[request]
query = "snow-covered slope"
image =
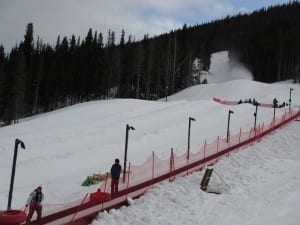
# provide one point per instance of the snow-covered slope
(64, 146)
(259, 185)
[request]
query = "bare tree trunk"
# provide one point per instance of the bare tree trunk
(149, 69)
(189, 75)
(139, 71)
(167, 77)
(39, 76)
(174, 64)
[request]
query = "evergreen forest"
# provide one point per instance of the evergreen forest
(36, 77)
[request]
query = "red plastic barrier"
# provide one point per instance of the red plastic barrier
(12, 217)
(100, 196)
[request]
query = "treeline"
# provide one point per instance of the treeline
(36, 77)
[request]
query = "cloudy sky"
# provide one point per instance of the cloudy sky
(51, 18)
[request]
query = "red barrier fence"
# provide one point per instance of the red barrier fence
(227, 102)
(140, 178)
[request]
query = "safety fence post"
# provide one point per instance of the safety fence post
(259, 131)
(229, 143)
(285, 114)
(218, 144)
(128, 174)
(270, 125)
(77, 210)
(171, 164)
(240, 135)
(105, 183)
(204, 149)
(229, 139)
(152, 164)
(250, 133)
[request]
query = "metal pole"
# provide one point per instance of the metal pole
(11, 187)
(125, 155)
(126, 146)
(229, 112)
(189, 135)
(274, 114)
(290, 99)
(255, 115)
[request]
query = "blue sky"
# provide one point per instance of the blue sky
(51, 18)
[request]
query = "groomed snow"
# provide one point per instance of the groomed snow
(259, 185)
(65, 146)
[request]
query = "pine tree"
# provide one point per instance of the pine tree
(28, 45)
(3, 82)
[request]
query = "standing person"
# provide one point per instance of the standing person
(275, 103)
(35, 204)
(115, 176)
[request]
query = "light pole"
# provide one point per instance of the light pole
(255, 115)
(229, 112)
(290, 99)
(11, 187)
(126, 145)
(274, 113)
(189, 135)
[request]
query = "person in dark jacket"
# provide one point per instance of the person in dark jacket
(275, 103)
(35, 204)
(115, 172)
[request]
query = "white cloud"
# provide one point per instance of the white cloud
(137, 17)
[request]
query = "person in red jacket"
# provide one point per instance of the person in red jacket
(115, 172)
(35, 204)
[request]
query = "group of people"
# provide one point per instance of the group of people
(253, 101)
(276, 105)
(36, 197)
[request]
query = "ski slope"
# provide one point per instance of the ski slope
(259, 185)
(65, 146)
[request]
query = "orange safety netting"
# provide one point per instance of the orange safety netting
(154, 167)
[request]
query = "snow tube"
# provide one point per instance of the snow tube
(99, 196)
(12, 217)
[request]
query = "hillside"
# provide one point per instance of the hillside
(66, 145)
